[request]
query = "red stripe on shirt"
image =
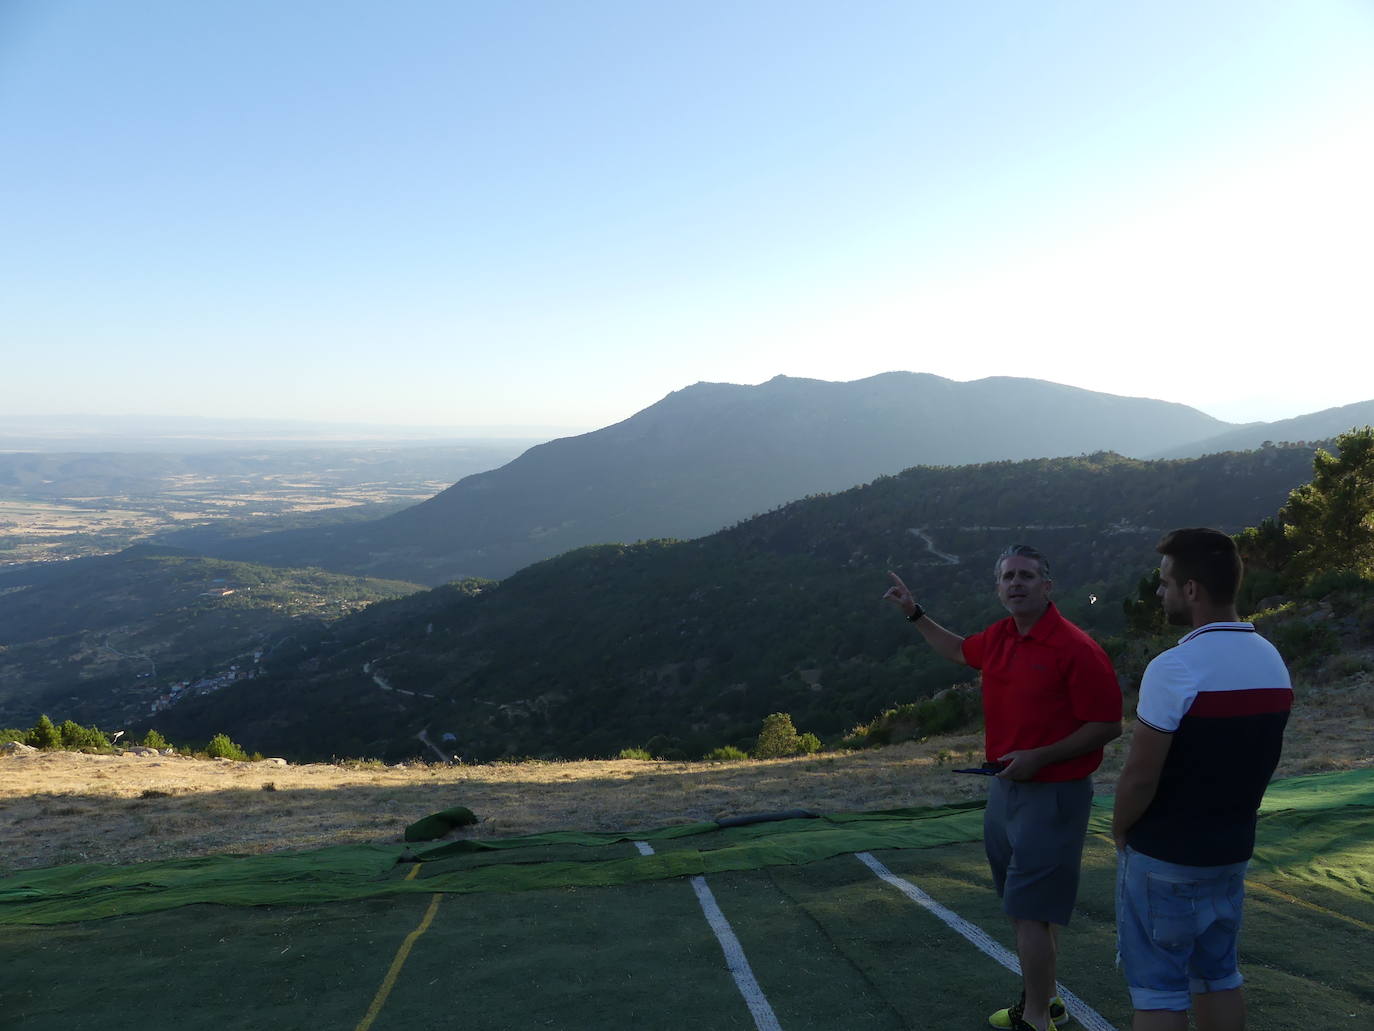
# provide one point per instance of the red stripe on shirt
(1211, 704)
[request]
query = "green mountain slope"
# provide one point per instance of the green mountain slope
(693, 642)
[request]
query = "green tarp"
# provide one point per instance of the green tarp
(1312, 827)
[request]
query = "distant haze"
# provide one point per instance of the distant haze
(188, 433)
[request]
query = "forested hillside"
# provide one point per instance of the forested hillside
(101, 639)
(689, 644)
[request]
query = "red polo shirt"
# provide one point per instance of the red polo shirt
(1040, 688)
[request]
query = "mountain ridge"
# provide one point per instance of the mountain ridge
(1322, 425)
(711, 454)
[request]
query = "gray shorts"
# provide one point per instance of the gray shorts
(1033, 834)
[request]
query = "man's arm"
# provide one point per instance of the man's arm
(946, 643)
(1139, 780)
(1026, 763)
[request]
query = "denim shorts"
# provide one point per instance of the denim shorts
(1176, 929)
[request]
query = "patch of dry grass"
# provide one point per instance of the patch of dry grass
(62, 807)
(59, 807)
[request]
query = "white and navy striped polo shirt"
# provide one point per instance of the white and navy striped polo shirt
(1224, 694)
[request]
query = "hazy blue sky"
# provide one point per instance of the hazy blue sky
(555, 213)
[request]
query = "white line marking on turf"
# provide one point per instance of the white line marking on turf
(735, 960)
(764, 1018)
(1088, 1018)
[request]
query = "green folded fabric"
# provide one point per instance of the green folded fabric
(440, 823)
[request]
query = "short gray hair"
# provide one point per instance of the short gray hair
(1021, 551)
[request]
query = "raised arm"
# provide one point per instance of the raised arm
(946, 643)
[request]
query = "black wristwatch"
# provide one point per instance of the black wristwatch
(916, 613)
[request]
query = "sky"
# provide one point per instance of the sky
(552, 213)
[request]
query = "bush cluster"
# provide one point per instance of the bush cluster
(954, 709)
(726, 753)
(779, 738)
(220, 747)
(71, 736)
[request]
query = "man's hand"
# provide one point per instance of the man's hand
(899, 595)
(946, 644)
(1023, 764)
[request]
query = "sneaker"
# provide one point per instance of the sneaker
(1008, 1018)
(1023, 1025)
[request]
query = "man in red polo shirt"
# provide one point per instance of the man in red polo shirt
(1051, 701)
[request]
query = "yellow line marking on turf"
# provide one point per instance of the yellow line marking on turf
(1251, 883)
(389, 981)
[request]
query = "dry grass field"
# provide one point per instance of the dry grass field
(59, 808)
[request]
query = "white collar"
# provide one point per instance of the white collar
(1208, 627)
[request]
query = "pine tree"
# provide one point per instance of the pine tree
(1330, 521)
(777, 737)
(221, 747)
(44, 734)
(153, 739)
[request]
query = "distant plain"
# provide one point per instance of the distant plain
(56, 507)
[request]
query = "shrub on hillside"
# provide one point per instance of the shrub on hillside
(76, 738)
(1348, 666)
(727, 752)
(1303, 644)
(954, 709)
(220, 747)
(778, 737)
(9, 734)
(1342, 582)
(636, 753)
(153, 739)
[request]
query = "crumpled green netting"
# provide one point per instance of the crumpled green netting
(1300, 812)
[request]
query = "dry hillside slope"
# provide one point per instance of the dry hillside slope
(58, 808)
